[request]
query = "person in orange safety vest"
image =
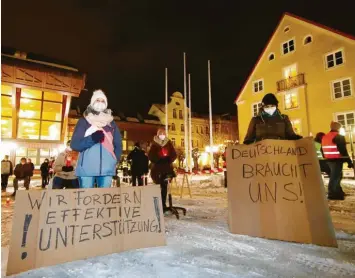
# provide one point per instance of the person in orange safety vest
(334, 150)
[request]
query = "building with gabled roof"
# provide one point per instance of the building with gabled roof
(311, 70)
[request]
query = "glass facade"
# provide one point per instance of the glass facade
(6, 111)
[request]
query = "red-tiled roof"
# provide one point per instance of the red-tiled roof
(299, 18)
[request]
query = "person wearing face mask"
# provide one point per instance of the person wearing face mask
(98, 140)
(64, 168)
(270, 123)
(162, 154)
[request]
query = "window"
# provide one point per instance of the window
(6, 111)
(346, 119)
(182, 142)
(258, 86)
(286, 29)
(296, 124)
(180, 114)
(173, 141)
(207, 130)
(255, 108)
(307, 40)
(271, 56)
(201, 130)
(40, 115)
(28, 153)
(288, 46)
(334, 59)
(341, 88)
(174, 113)
(182, 128)
(291, 100)
(173, 127)
(197, 130)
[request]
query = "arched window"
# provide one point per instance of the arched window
(271, 56)
(307, 40)
(173, 127)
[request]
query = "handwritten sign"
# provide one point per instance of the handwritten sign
(56, 226)
(275, 190)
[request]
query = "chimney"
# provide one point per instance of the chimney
(20, 54)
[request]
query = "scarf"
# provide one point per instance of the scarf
(98, 119)
(161, 143)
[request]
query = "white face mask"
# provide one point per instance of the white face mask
(162, 137)
(99, 106)
(270, 110)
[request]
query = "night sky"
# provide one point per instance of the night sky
(124, 46)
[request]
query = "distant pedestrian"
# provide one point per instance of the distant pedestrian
(51, 167)
(32, 167)
(139, 164)
(98, 139)
(162, 155)
(22, 171)
(334, 150)
(6, 171)
(45, 172)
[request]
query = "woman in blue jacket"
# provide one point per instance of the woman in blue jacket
(98, 140)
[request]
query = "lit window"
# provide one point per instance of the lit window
(291, 100)
(28, 129)
(30, 109)
(296, 124)
(334, 59)
(288, 46)
(271, 56)
(6, 127)
(53, 97)
(346, 119)
(6, 90)
(174, 113)
(50, 130)
(258, 86)
(27, 153)
(342, 88)
(28, 93)
(6, 106)
(307, 40)
(180, 114)
(182, 128)
(52, 111)
(255, 108)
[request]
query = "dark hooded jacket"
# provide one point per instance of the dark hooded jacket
(161, 154)
(264, 126)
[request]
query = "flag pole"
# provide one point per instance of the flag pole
(210, 112)
(190, 130)
(185, 116)
(166, 102)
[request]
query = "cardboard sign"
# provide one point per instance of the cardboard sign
(55, 226)
(275, 190)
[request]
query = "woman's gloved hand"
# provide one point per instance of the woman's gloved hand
(98, 136)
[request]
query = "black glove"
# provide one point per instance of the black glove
(165, 159)
(98, 136)
(67, 168)
(350, 165)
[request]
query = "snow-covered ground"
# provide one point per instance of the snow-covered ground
(200, 245)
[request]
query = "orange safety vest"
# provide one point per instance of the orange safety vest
(330, 150)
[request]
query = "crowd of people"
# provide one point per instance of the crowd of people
(91, 157)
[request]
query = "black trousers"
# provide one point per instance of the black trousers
(45, 180)
(4, 181)
(164, 189)
(336, 175)
(136, 177)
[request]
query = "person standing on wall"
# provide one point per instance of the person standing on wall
(64, 170)
(139, 164)
(334, 150)
(45, 167)
(270, 123)
(162, 154)
(98, 140)
(22, 172)
(6, 171)
(32, 167)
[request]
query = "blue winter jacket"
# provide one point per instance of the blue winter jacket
(94, 160)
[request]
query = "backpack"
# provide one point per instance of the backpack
(5, 167)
